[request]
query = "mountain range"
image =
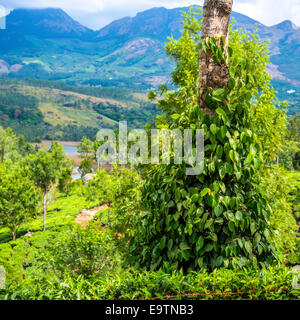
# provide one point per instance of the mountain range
(129, 52)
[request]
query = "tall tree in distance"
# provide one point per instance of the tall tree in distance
(213, 73)
(44, 171)
(86, 148)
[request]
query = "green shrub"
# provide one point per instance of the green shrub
(270, 284)
(77, 251)
(126, 203)
(85, 167)
(65, 184)
(280, 186)
(100, 189)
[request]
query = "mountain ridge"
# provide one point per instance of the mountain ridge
(49, 44)
(44, 22)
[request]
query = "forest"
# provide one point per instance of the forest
(150, 231)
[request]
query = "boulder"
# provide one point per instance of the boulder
(88, 177)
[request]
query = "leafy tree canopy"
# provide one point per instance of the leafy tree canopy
(19, 197)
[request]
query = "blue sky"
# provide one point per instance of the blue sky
(97, 13)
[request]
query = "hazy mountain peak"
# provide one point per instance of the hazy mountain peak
(162, 22)
(45, 22)
(286, 25)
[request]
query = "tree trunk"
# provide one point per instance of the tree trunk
(14, 234)
(45, 209)
(216, 18)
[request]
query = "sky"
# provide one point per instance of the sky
(98, 13)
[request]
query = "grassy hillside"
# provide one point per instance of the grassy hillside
(47, 110)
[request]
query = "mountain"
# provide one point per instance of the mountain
(161, 23)
(44, 23)
(129, 52)
(286, 26)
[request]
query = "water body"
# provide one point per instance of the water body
(76, 175)
(70, 150)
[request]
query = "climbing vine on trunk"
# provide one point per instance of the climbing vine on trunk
(219, 218)
(213, 61)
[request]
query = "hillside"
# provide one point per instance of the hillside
(49, 110)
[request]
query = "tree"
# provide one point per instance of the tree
(13, 147)
(220, 218)
(59, 156)
(8, 143)
(19, 197)
(65, 181)
(85, 167)
(44, 171)
(86, 148)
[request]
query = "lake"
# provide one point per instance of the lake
(70, 150)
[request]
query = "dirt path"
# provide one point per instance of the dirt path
(87, 215)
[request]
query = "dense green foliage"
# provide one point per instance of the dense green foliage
(45, 168)
(220, 218)
(290, 154)
(85, 148)
(19, 198)
(65, 181)
(67, 262)
(13, 147)
(85, 167)
(78, 251)
(21, 258)
(271, 284)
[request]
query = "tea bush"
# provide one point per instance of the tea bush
(77, 251)
(269, 284)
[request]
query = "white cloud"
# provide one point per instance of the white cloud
(270, 12)
(97, 13)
